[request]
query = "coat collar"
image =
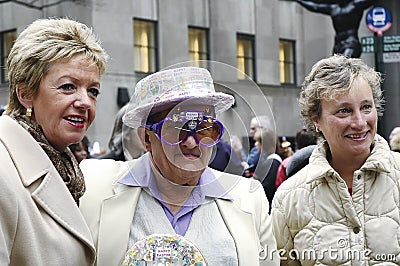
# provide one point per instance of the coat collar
(29, 161)
(39, 176)
(144, 174)
(379, 160)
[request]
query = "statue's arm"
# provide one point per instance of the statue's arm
(316, 7)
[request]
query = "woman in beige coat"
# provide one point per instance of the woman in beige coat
(342, 208)
(54, 73)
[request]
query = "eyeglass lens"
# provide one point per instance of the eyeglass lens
(207, 132)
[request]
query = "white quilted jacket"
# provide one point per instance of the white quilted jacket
(317, 222)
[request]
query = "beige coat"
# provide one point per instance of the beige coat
(320, 222)
(109, 208)
(40, 223)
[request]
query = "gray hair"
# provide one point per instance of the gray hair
(334, 76)
(44, 42)
(263, 121)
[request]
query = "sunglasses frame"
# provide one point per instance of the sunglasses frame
(157, 128)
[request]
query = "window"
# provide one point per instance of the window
(245, 56)
(6, 41)
(145, 50)
(287, 62)
(198, 46)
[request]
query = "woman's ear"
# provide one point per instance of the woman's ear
(317, 127)
(23, 96)
(315, 121)
(144, 138)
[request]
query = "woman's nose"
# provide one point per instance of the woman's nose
(190, 142)
(83, 100)
(358, 120)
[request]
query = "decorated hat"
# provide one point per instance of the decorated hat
(164, 89)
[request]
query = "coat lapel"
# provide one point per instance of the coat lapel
(115, 223)
(40, 177)
(53, 196)
(239, 223)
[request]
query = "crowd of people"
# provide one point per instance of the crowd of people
(171, 190)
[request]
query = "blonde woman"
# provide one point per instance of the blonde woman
(54, 72)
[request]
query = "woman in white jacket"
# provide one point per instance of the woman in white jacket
(342, 208)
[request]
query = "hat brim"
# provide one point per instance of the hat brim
(136, 116)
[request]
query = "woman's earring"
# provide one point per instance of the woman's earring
(316, 129)
(29, 111)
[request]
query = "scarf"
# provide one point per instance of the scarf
(65, 162)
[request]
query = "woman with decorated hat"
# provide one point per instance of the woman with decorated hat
(168, 206)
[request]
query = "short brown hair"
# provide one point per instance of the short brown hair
(331, 77)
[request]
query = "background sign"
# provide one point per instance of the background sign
(379, 19)
(391, 44)
(391, 57)
(368, 44)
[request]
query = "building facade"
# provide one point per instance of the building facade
(257, 50)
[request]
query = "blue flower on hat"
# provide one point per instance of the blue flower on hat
(155, 89)
(181, 86)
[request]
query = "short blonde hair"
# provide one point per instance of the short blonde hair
(267, 140)
(44, 42)
(331, 77)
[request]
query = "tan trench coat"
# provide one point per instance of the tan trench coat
(40, 223)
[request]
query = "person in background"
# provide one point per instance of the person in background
(395, 131)
(2, 109)
(303, 138)
(268, 163)
(254, 153)
(346, 198)
(286, 148)
(237, 146)
(124, 142)
(299, 159)
(395, 143)
(54, 70)
(81, 149)
(226, 160)
(257, 123)
(170, 192)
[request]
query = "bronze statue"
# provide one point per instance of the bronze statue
(346, 16)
